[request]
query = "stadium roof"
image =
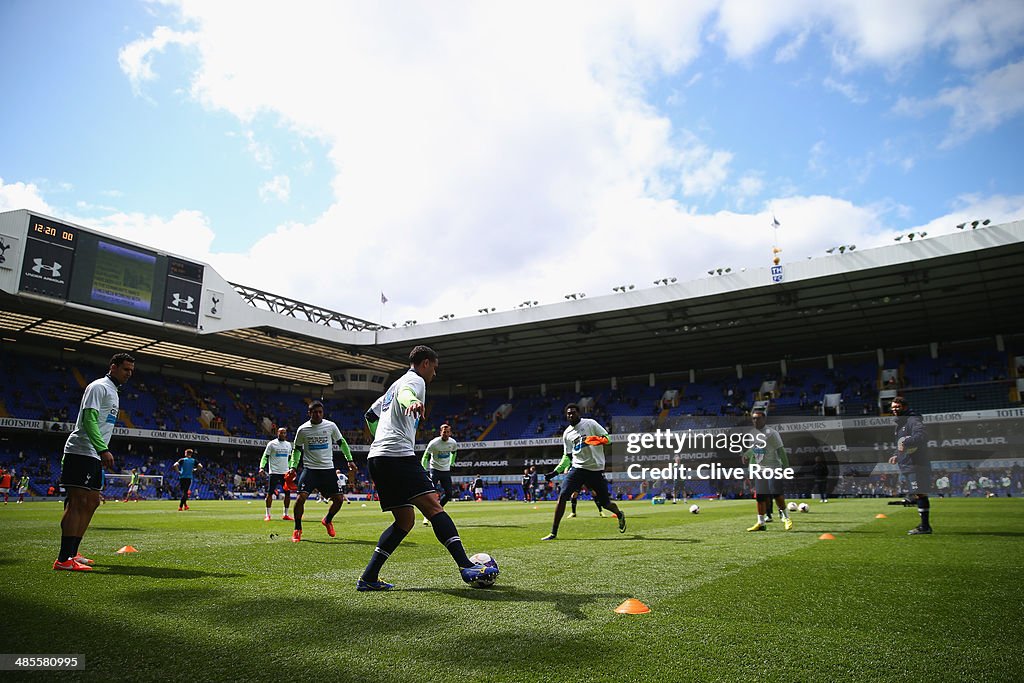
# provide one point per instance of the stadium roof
(958, 286)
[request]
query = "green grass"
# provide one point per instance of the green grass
(213, 596)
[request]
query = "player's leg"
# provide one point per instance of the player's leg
(81, 504)
(572, 503)
(268, 500)
(305, 488)
(573, 482)
(598, 486)
(762, 504)
(447, 488)
(919, 493)
(82, 479)
(287, 505)
(184, 485)
(780, 502)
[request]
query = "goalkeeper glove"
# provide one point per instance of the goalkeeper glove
(596, 440)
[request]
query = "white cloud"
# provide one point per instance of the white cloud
(876, 32)
(279, 188)
(22, 196)
(515, 141)
(705, 171)
(136, 58)
(984, 104)
(846, 89)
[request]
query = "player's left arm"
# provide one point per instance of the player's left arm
(372, 418)
(915, 439)
(296, 457)
(600, 436)
(345, 450)
(408, 399)
(454, 453)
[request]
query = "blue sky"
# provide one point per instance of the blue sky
(460, 155)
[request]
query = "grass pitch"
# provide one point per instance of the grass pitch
(216, 593)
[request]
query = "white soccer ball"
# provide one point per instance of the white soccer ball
(488, 561)
(804, 507)
(694, 509)
(791, 507)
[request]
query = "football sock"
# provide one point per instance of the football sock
(760, 519)
(67, 544)
(386, 545)
(573, 501)
(76, 541)
(923, 508)
(444, 529)
(783, 513)
(298, 523)
(329, 517)
(599, 508)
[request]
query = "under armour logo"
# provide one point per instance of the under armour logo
(178, 302)
(39, 267)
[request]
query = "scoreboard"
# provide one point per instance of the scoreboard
(71, 264)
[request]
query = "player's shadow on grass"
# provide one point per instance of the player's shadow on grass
(569, 604)
(114, 528)
(1011, 534)
(491, 526)
(164, 572)
(350, 541)
(641, 537)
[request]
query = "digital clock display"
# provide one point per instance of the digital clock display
(54, 233)
(49, 257)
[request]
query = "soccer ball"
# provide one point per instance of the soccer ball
(804, 507)
(695, 509)
(486, 560)
(791, 507)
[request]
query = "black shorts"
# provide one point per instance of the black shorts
(399, 480)
(276, 482)
(324, 481)
(81, 472)
(592, 479)
(442, 481)
(184, 485)
(768, 487)
(916, 478)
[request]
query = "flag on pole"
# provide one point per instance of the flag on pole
(775, 221)
(383, 299)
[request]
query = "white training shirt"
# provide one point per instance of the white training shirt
(584, 457)
(396, 431)
(100, 396)
(440, 452)
(277, 453)
(767, 456)
(317, 444)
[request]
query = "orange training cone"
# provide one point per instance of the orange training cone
(826, 537)
(127, 549)
(632, 606)
(880, 516)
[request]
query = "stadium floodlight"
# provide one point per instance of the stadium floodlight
(623, 288)
(446, 316)
(527, 304)
(665, 281)
(486, 310)
(575, 295)
(409, 323)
